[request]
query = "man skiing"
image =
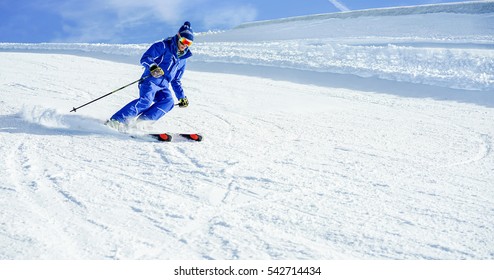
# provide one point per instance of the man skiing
(164, 64)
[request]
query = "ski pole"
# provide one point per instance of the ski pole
(141, 79)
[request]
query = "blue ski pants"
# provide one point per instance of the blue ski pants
(153, 102)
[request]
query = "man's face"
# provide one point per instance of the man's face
(183, 43)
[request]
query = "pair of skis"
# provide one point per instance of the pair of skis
(168, 137)
(162, 137)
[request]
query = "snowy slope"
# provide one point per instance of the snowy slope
(367, 145)
(446, 45)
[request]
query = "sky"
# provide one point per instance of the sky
(133, 21)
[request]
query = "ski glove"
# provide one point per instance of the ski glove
(183, 102)
(156, 71)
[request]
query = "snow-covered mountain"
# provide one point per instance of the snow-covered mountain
(356, 135)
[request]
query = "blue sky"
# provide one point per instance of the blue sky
(144, 21)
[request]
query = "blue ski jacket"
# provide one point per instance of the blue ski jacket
(165, 54)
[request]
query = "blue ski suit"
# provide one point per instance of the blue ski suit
(155, 98)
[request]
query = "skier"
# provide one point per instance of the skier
(164, 64)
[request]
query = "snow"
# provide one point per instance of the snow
(372, 140)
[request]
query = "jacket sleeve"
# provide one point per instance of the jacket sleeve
(155, 51)
(177, 83)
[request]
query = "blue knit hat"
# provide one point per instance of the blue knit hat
(186, 32)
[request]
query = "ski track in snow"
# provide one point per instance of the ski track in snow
(286, 170)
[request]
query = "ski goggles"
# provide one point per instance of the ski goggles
(184, 41)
